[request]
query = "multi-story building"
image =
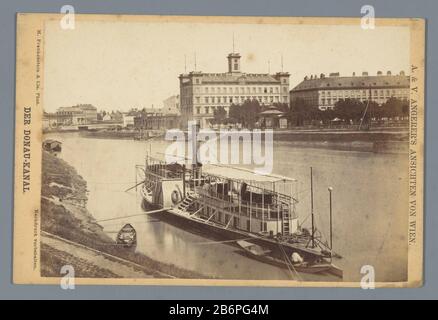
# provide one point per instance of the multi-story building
(201, 93)
(76, 115)
(324, 92)
(68, 116)
(89, 112)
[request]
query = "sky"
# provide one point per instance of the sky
(123, 65)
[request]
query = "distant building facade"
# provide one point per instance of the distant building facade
(76, 115)
(158, 121)
(116, 116)
(69, 116)
(171, 105)
(324, 92)
(50, 120)
(201, 93)
(90, 113)
(110, 117)
(128, 118)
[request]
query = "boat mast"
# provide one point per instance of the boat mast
(194, 136)
(311, 207)
(365, 112)
(330, 189)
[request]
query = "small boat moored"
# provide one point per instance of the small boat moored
(127, 236)
(295, 262)
(52, 146)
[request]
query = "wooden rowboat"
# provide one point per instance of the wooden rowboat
(127, 236)
(263, 255)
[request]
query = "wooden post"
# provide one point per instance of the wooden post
(135, 172)
(184, 179)
(263, 209)
(330, 189)
(311, 207)
(239, 200)
(278, 213)
(273, 190)
(250, 210)
(194, 133)
(230, 197)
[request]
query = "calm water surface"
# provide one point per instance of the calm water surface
(369, 217)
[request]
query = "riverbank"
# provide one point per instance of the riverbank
(109, 134)
(378, 141)
(74, 233)
(382, 140)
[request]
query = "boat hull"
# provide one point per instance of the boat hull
(219, 232)
(305, 268)
(127, 237)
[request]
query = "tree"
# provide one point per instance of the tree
(219, 114)
(235, 113)
(349, 110)
(395, 107)
(374, 110)
(251, 110)
(301, 112)
(283, 107)
(326, 116)
(246, 114)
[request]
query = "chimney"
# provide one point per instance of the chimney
(365, 73)
(388, 73)
(306, 78)
(334, 74)
(402, 73)
(311, 77)
(379, 73)
(354, 74)
(322, 76)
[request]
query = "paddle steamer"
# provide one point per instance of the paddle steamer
(260, 212)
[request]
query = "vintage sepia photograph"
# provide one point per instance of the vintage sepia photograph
(184, 150)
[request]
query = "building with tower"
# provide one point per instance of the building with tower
(201, 93)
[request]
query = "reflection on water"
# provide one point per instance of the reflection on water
(369, 217)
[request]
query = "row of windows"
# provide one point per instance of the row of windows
(374, 95)
(363, 92)
(236, 99)
(198, 81)
(240, 89)
(241, 99)
(68, 113)
(356, 84)
(330, 101)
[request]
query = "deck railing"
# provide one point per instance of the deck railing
(233, 204)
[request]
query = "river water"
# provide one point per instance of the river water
(369, 216)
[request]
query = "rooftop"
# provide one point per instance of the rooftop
(240, 77)
(272, 110)
(234, 75)
(335, 81)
